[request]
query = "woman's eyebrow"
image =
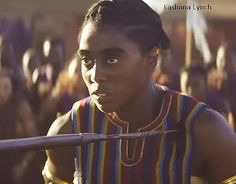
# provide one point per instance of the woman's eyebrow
(113, 50)
(103, 51)
(82, 52)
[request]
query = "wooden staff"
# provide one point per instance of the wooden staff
(188, 50)
(64, 140)
(188, 41)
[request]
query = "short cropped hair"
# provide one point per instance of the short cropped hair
(140, 22)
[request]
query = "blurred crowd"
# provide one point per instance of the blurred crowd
(213, 83)
(38, 84)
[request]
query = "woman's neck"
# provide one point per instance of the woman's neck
(144, 108)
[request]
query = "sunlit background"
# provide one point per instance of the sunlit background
(63, 18)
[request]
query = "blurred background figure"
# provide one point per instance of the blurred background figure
(42, 63)
(41, 89)
(31, 60)
(52, 100)
(167, 72)
(7, 54)
(77, 89)
(226, 68)
(193, 81)
(54, 54)
(16, 121)
(8, 57)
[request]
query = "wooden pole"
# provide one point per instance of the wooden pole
(65, 140)
(188, 49)
(188, 41)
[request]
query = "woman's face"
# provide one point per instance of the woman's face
(113, 67)
(5, 89)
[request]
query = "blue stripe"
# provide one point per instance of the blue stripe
(188, 156)
(89, 129)
(74, 131)
(101, 130)
(162, 164)
(85, 147)
(117, 158)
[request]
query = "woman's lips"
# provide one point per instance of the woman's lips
(102, 97)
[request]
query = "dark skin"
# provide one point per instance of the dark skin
(114, 71)
(113, 83)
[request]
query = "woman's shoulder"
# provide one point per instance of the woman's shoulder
(215, 145)
(63, 124)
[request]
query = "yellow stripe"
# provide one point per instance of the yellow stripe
(172, 163)
(188, 125)
(103, 154)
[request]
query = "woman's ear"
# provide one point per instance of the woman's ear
(152, 58)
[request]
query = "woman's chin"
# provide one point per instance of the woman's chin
(106, 108)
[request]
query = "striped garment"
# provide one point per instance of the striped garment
(161, 159)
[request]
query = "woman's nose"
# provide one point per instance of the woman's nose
(98, 73)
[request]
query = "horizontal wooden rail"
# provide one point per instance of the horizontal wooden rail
(64, 140)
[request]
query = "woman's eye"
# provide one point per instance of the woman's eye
(86, 61)
(112, 61)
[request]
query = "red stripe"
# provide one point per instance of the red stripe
(125, 175)
(174, 108)
(160, 117)
(108, 157)
(81, 113)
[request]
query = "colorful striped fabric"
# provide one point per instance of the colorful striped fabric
(160, 160)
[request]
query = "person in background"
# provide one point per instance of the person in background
(118, 46)
(30, 61)
(7, 53)
(16, 121)
(54, 54)
(226, 67)
(8, 57)
(43, 84)
(77, 87)
(167, 72)
(193, 81)
(56, 100)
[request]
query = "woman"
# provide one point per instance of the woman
(118, 46)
